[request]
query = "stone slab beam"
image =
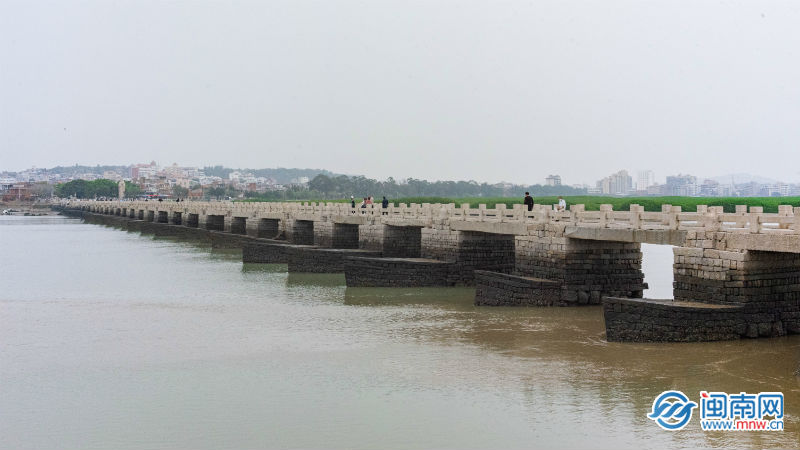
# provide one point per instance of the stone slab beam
(661, 237)
(783, 243)
(489, 227)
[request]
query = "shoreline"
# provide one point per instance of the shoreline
(32, 210)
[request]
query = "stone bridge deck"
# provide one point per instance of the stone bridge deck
(748, 258)
(499, 220)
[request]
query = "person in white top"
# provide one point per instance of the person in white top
(562, 204)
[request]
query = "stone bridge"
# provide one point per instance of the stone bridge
(735, 274)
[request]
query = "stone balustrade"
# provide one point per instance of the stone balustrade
(706, 218)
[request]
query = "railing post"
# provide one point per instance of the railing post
(741, 211)
(605, 213)
(755, 218)
(674, 219)
(574, 211)
(519, 211)
(784, 211)
(665, 214)
(545, 214)
(636, 217)
(501, 211)
(711, 222)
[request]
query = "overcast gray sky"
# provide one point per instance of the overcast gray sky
(485, 90)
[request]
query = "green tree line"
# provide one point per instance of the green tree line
(95, 188)
(360, 186)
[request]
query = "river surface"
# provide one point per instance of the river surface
(114, 340)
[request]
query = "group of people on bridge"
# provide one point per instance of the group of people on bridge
(528, 201)
(368, 201)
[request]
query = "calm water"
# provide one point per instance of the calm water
(111, 339)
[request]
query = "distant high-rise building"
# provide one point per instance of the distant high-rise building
(146, 172)
(553, 180)
(684, 185)
(111, 175)
(645, 179)
(143, 170)
(619, 183)
(709, 188)
(778, 190)
(656, 189)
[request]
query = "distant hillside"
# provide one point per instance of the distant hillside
(741, 178)
(280, 174)
(78, 169)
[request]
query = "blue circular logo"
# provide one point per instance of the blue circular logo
(672, 410)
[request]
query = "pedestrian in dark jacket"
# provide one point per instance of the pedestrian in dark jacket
(384, 205)
(528, 201)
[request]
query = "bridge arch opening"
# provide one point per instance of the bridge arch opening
(192, 220)
(239, 225)
(478, 250)
(163, 217)
(657, 267)
(402, 242)
(268, 228)
(345, 235)
(302, 232)
(150, 216)
(177, 218)
(215, 222)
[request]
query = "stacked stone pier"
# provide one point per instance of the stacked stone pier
(719, 293)
(585, 269)
(736, 274)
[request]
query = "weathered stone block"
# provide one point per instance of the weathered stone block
(397, 272)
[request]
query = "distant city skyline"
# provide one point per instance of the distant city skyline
(658, 175)
(635, 173)
(155, 177)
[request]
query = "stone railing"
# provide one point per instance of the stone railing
(706, 218)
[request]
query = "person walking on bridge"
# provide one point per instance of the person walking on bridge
(528, 201)
(384, 205)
